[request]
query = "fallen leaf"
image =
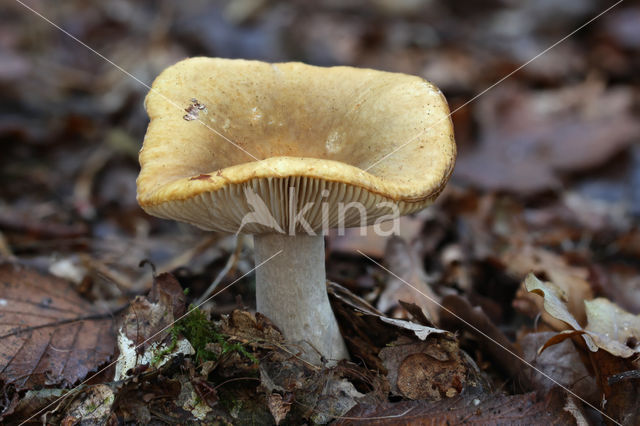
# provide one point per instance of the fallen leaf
(486, 409)
(404, 262)
(432, 370)
(93, 405)
(366, 330)
(555, 306)
(529, 138)
(244, 326)
(562, 362)
(190, 401)
(570, 281)
(145, 325)
(49, 335)
(278, 407)
(420, 331)
(458, 314)
(612, 328)
(337, 397)
(322, 393)
(621, 396)
(29, 404)
(370, 242)
(137, 399)
(609, 327)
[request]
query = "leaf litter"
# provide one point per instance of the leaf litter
(49, 335)
(546, 182)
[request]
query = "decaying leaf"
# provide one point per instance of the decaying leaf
(612, 328)
(144, 328)
(29, 404)
(49, 335)
(404, 262)
(190, 401)
(486, 409)
(278, 407)
(608, 326)
(528, 138)
(337, 397)
(321, 393)
(251, 329)
(458, 314)
(562, 362)
(370, 242)
(432, 370)
(366, 330)
(555, 306)
(571, 281)
(93, 405)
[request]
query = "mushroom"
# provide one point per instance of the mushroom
(285, 152)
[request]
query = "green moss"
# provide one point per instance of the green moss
(159, 356)
(199, 331)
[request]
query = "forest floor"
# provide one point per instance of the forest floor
(515, 299)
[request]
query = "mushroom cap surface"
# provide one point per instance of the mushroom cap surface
(228, 139)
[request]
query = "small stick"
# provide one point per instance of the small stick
(231, 262)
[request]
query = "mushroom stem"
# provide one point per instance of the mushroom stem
(291, 291)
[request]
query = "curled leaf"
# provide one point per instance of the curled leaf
(609, 327)
(555, 305)
(612, 328)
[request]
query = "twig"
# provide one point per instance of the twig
(179, 260)
(113, 276)
(231, 262)
(5, 249)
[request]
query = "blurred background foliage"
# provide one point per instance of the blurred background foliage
(553, 145)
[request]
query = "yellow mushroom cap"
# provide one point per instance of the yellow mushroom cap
(229, 138)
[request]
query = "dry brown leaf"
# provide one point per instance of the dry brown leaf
(475, 321)
(433, 369)
(146, 316)
(562, 362)
(529, 138)
(554, 305)
(608, 326)
(322, 393)
(49, 335)
(570, 281)
(145, 324)
(622, 285)
(621, 396)
(278, 407)
(92, 406)
(363, 332)
(404, 262)
(612, 328)
(488, 409)
(370, 242)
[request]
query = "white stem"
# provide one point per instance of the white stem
(291, 291)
